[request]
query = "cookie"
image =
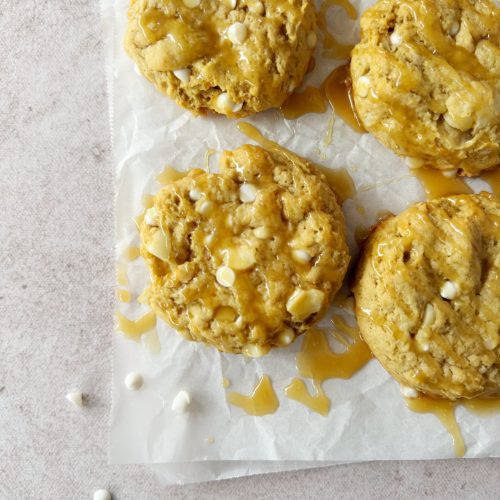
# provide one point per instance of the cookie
(248, 258)
(426, 81)
(427, 295)
(234, 57)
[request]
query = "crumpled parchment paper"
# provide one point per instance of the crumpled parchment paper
(368, 418)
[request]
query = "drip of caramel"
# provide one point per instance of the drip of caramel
(338, 90)
(318, 402)
(134, 329)
(492, 177)
(169, 174)
(436, 184)
(482, 407)
(310, 100)
(262, 401)
(444, 410)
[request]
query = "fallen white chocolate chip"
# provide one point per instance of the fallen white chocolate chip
(191, 4)
(75, 397)
(101, 495)
(248, 192)
(194, 195)
(225, 276)
(255, 350)
(183, 74)
(429, 315)
(301, 256)
(237, 33)
(151, 216)
(240, 258)
(408, 392)
(181, 402)
(262, 232)
(312, 39)
(449, 290)
(134, 381)
(158, 245)
(303, 303)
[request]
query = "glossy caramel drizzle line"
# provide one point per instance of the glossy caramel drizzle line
(262, 401)
(436, 184)
(310, 100)
(134, 329)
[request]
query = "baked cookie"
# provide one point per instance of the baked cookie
(426, 81)
(428, 296)
(235, 57)
(248, 258)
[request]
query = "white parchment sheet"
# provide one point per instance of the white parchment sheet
(368, 418)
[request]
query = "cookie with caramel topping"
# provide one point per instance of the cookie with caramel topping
(428, 296)
(234, 57)
(248, 258)
(426, 81)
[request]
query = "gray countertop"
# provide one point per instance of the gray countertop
(57, 289)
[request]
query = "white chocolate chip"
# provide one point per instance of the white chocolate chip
(395, 38)
(248, 192)
(101, 495)
(286, 337)
(257, 8)
(363, 86)
(151, 216)
(225, 276)
(134, 381)
(75, 397)
(301, 256)
(491, 343)
(303, 303)
(408, 392)
(225, 104)
(158, 245)
(414, 162)
(255, 350)
(183, 74)
(449, 290)
(181, 402)
(454, 28)
(191, 4)
(204, 207)
(231, 3)
(240, 258)
(194, 195)
(429, 315)
(425, 347)
(209, 238)
(312, 40)
(237, 33)
(239, 322)
(262, 232)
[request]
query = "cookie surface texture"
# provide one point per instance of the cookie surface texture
(426, 81)
(427, 295)
(234, 57)
(248, 258)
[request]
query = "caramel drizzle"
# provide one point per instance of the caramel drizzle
(262, 401)
(317, 362)
(310, 100)
(436, 184)
(134, 329)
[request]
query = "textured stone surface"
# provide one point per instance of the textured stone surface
(56, 289)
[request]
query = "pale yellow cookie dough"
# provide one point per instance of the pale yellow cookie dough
(428, 296)
(234, 57)
(426, 81)
(248, 258)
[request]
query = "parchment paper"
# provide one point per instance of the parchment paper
(368, 420)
